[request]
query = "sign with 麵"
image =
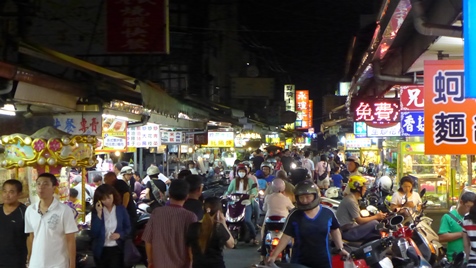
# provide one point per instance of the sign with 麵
(79, 123)
(413, 123)
(221, 139)
(376, 110)
(144, 136)
(137, 26)
(302, 109)
(168, 137)
(290, 99)
(393, 131)
(450, 118)
(412, 98)
(360, 129)
(114, 134)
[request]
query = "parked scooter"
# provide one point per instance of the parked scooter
(235, 215)
(275, 226)
(143, 216)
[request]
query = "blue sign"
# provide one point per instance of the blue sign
(360, 129)
(469, 36)
(413, 123)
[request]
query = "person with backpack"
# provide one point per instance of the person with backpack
(451, 226)
(323, 172)
(13, 250)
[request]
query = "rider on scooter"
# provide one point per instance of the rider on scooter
(242, 184)
(310, 226)
(353, 164)
(267, 168)
(275, 204)
(353, 226)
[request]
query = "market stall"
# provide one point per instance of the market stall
(47, 150)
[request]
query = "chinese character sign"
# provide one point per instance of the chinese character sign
(79, 123)
(360, 129)
(137, 26)
(290, 99)
(169, 137)
(411, 97)
(376, 110)
(221, 139)
(302, 109)
(450, 119)
(393, 131)
(413, 123)
(114, 133)
(311, 111)
(144, 136)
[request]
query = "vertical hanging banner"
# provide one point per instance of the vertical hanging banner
(290, 99)
(302, 109)
(310, 115)
(450, 121)
(137, 26)
(469, 37)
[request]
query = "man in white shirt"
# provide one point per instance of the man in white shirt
(51, 228)
(323, 167)
(308, 164)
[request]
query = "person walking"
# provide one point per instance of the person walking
(109, 227)
(207, 238)
(164, 235)
(13, 250)
(51, 228)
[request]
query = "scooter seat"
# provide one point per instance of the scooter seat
(354, 244)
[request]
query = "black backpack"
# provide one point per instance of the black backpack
(323, 176)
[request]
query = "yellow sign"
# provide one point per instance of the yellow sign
(220, 139)
(114, 133)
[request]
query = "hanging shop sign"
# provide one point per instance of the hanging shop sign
(450, 118)
(393, 131)
(114, 134)
(310, 113)
(413, 123)
(302, 109)
(220, 139)
(376, 110)
(200, 139)
(170, 137)
(358, 143)
(360, 129)
(412, 97)
(79, 123)
(290, 99)
(144, 136)
(137, 26)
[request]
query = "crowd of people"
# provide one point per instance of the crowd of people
(186, 231)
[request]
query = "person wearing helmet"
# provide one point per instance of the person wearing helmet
(243, 184)
(310, 225)
(354, 227)
(405, 196)
(275, 204)
(267, 168)
(353, 164)
(156, 188)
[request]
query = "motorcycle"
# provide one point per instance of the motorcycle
(143, 216)
(235, 205)
(84, 254)
(275, 226)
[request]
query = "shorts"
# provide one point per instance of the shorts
(324, 183)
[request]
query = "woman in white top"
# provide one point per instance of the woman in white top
(405, 196)
(109, 227)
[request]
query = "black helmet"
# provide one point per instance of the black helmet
(306, 187)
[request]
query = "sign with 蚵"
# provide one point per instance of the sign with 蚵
(450, 126)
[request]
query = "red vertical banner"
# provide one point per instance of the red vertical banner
(137, 26)
(302, 109)
(311, 110)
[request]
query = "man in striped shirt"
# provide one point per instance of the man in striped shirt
(165, 232)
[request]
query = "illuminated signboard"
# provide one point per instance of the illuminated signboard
(360, 129)
(221, 139)
(394, 131)
(311, 110)
(290, 99)
(376, 110)
(412, 98)
(302, 109)
(358, 143)
(413, 123)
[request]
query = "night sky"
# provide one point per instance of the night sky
(310, 39)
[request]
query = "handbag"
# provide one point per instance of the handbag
(131, 253)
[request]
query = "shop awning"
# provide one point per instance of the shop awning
(154, 97)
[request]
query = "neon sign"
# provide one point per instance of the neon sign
(377, 110)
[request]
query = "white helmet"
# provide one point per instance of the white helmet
(354, 159)
(127, 170)
(386, 183)
(278, 185)
(332, 192)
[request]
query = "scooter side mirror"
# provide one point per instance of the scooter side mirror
(396, 220)
(422, 192)
(364, 213)
(372, 209)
